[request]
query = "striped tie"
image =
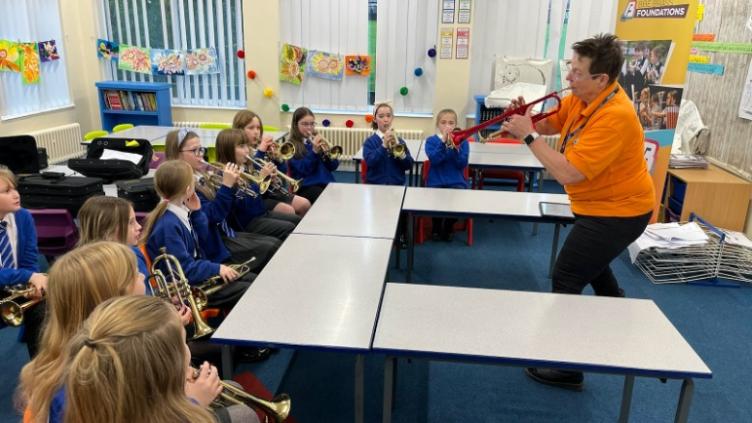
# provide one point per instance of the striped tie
(227, 229)
(6, 252)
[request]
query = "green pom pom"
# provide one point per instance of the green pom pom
(403, 90)
(285, 107)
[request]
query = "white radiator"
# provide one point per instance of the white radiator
(62, 142)
(351, 139)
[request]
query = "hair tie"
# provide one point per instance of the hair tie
(89, 343)
(182, 133)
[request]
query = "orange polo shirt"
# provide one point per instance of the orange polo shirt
(609, 151)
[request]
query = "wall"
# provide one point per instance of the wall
(78, 25)
(717, 97)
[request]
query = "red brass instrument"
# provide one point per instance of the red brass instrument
(459, 136)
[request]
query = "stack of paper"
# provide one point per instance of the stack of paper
(687, 161)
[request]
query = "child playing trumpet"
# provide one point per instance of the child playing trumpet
(387, 161)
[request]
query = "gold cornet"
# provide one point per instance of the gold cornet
(396, 149)
(278, 408)
(175, 285)
(282, 151)
(333, 152)
(292, 182)
(12, 308)
(246, 178)
(216, 283)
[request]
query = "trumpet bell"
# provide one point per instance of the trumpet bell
(12, 313)
(335, 152)
(286, 151)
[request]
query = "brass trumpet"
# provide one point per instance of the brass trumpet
(12, 308)
(216, 283)
(278, 408)
(292, 182)
(175, 285)
(246, 178)
(282, 151)
(333, 152)
(396, 149)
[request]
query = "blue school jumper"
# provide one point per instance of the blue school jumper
(383, 168)
(447, 165)
(281, 166)
(313, 168)
(171, 233)
(215, 222)
(26, 251)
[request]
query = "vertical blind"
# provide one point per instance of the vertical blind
(406, 29)
(182, 25)
(33, 21)
(333, 26)
(518, 29)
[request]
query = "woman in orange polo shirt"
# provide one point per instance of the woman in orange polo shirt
(601, 164)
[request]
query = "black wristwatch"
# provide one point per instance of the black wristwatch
(529, 138)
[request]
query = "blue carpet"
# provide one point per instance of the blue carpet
(506, 255)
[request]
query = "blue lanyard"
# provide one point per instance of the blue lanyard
(571, 135)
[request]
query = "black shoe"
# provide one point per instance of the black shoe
(402, 242)
(560, 378)
(253, 354)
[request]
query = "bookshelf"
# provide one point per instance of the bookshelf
(139, 103)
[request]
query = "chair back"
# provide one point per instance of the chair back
(122, 127)
(156, 159)
(56, 232)
(214, 125)
(363, 171)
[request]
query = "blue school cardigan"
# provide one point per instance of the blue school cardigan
(383, 168)
(447, 165)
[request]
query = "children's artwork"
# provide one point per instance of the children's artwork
(200, 61)
(29, 63)
(48, 51)
(357, 65)
(325, 65)
(132, 58)
(292, 60)
(10, 59)
(107, 49)
(167, 62)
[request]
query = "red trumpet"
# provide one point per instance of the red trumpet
(459, 136)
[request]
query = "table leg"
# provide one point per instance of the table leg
(685, 401)
(554, 250)
(410, 245)
(359, 406)
(227, 365)
(357, 171)
(626, 399)
(389, 367)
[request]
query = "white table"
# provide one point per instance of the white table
(413, 146)
(316, 292)
(498, 148)
(630, 337)
(354, 210)
(147, 132)
(515, 205)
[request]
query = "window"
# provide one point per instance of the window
(531, 29)
(333, 26)
(406, 29)
(183, 25)
(33, 21)
(397, 43)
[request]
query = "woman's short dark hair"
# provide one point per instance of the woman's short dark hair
(604, 52)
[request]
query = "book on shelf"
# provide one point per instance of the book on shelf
(113, 100)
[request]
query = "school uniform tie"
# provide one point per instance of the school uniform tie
(6, 251)
(196, 246)
(226, 229)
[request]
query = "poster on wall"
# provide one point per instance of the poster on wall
(447, 12)
(463, 43)
(463, 16)
(745, 105)
(657, 37)
(446, 43)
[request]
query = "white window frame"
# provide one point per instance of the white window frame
(34, 21)
(190, 26)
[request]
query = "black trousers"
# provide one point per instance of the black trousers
(277, 225)
(311, 192)
(245, 245)
(590, 247)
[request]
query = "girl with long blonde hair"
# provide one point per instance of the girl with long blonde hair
(129, 363)
(79, 280)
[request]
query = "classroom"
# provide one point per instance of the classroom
(375, 210)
